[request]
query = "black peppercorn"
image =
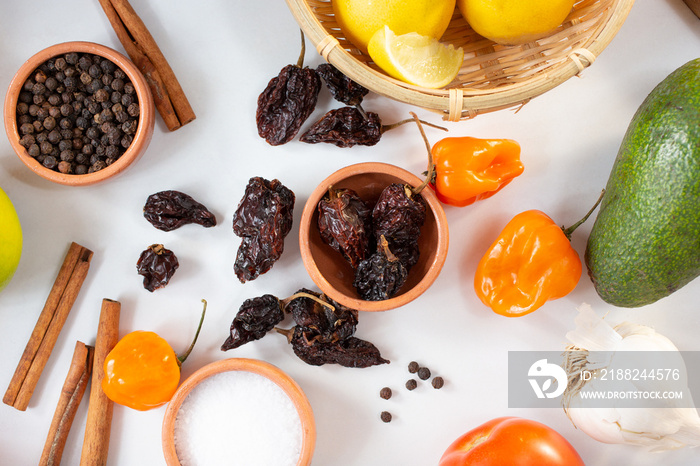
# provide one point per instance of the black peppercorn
(413, 367)
(424, 373)
(411, 384)
(385, 416)
(385, 393)
(26, 128)
(101, 95)
(50, 162)
(438, 383)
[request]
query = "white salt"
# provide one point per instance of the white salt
(238, 418)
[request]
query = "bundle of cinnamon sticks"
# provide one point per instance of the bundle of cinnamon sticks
(168, 96)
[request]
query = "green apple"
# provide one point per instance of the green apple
(10, 240)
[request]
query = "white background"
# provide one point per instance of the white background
(224, 53)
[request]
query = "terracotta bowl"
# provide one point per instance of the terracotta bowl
(286, 383)
(143, 134)
(333, 274)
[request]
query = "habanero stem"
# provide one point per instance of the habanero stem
(181, 359)
(570, 230)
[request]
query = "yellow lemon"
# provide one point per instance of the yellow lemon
(512, 22)
(360, 19)
(10, 240)
(414, 58)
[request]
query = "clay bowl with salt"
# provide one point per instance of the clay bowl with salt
(242, 410)
(22, 93)
(333, 274)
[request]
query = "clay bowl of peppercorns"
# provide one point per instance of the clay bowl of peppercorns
(77, 113)
(405, 236)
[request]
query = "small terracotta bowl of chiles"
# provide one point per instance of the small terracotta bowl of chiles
(371, 238)
(77, 113)
(241, 411)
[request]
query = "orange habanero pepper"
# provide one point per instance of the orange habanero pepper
(142, 371)
(531, 262)
(469, 169)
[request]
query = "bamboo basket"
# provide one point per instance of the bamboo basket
(492, 77)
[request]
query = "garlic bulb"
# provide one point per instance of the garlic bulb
(597, 346)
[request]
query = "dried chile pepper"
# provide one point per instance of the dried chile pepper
(342, 88)
(381, 275)
(399, 215)
(323, 334)
(168, 210)
(254, 319)
(287, 101)
(344, 223)
(345, 127)
(263, 219)
(351, 352)
(316, 312)
(350, 126)
(157, 265)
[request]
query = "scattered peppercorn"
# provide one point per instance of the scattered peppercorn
(411, 384)
(67, 98)
(385, 393)
(386, 416)
(424, 373)
(413, 367)
(438, 383)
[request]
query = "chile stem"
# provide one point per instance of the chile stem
(569, 231)
(431, 165)
(300, 61)
(182, 358)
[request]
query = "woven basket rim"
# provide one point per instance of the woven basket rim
(461, 102)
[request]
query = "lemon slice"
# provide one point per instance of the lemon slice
(414, 58)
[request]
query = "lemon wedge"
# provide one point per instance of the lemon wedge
(415, 58)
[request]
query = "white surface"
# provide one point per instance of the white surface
(224, 53)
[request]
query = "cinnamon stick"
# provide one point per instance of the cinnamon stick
(99, 417)
(61, 298)
(71, 395)
(168, 96)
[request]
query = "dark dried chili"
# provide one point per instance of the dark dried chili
(380, 276)
(342, 88)
(350, 126)
(399, 215)
(287, 101)
(168, 210)
(345, 224)
(263, 219)
(345, 127)
(330, 321)
(157, 265)
(254, 319)
(350, 352)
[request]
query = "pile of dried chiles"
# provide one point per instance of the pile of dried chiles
(262, 219)
(380, 241)
(167, 211)
(323, 331)
(77, 113)
(291, 97)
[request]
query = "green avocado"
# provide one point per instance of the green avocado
(645, 242)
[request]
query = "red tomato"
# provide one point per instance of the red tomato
(511, 441)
